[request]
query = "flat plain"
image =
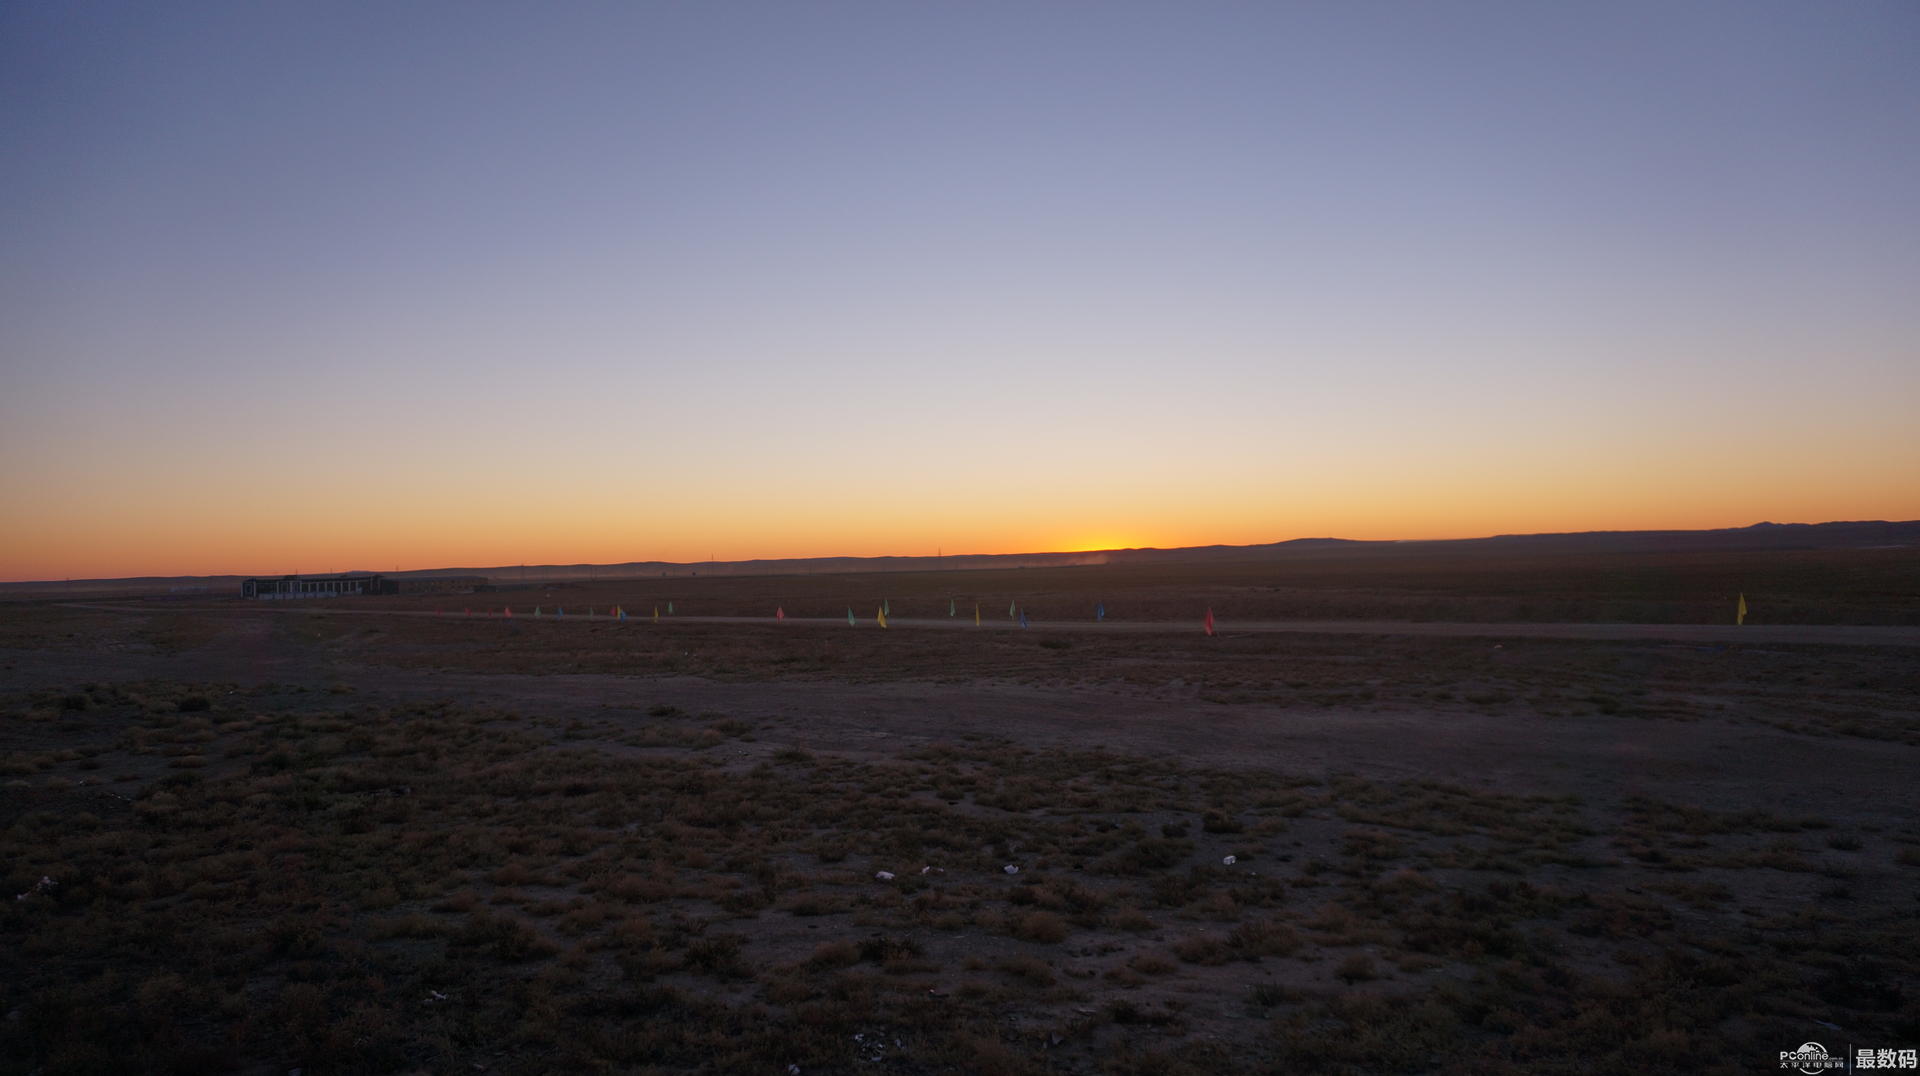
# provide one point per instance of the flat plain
(348, 836)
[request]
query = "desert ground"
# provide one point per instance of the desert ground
(1552, 816)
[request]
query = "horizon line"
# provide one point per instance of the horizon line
(936, 557)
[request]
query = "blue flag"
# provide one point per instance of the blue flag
(1100, 611)
(1023, 618)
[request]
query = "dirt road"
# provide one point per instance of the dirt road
(1704, 634)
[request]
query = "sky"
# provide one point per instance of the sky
(310, 287)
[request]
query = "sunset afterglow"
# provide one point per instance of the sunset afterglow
(324, 288)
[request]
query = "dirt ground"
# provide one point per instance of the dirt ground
(341, 839)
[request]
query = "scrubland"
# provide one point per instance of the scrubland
(251, 840)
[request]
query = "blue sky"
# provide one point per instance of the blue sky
(728, 274)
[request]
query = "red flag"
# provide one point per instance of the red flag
(1208, 623)
(780, 613)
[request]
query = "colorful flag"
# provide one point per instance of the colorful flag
(850, 621)
(883, 615)
(1208, 623)
(1740, 613)
(1100, 611)
(780, 612)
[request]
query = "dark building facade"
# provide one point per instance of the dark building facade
(352, 583)
(317, 586)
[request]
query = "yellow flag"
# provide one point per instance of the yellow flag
(976, 614)
(882, 617)
(656, 614)
(1740, 614)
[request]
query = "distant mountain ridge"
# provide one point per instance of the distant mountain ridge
(1865, 534)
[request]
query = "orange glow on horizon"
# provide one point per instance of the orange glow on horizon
(300, 543)
(410, 502)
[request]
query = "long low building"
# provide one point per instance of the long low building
(348, 584)
(317, 586)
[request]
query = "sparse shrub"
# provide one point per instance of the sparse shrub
(1264, 937)
(505, 937)
(1268, 995)
(1153, 964)
(1218, 906)
(1044, 927)
(835, 954)
(1216, 822)
(880, 948)
(1357, 968)
(718, 954)
(1204, 949)
(1029, 969)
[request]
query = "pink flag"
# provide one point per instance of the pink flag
(780, 613)
(508, 611)
(1208, 623)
